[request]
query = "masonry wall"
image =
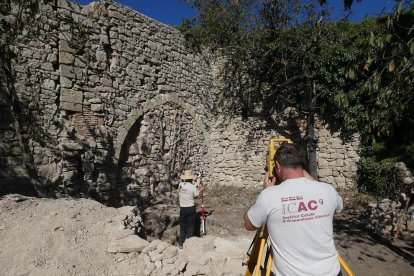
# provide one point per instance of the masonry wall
(239, 149)
(114, 106)
(12, 169)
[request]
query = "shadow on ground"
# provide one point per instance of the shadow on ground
(370, 254)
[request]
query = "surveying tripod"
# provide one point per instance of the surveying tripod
(260, 245)
(200, 176)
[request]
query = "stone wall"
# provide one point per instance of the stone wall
(239, 149)
(95, 82)
(11, 155)
(337, 157)
(114, 106)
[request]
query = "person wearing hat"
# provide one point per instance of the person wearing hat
(187, 192)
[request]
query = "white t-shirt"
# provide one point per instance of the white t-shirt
(186, 193)
(299, 214)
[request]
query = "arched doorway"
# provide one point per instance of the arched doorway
(158, 146)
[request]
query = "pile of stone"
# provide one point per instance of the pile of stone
(384, 218)
(199, 256)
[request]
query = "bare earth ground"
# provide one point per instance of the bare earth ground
(367, 254)
(67, 237)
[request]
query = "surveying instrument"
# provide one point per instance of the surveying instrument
(260, 255)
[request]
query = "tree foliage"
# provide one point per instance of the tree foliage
(386, 98)
(357, 76)
(382, 108)
(279, 54)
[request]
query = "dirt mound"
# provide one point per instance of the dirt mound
(55, 237)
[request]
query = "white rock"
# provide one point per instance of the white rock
(198, 245)
(126, 245)
(170, 252)
(155, 256)
(192, 269)
(151, 246)
(125, 210)
(233, 267)
(232, 249)
(161, 246)
(121, 234)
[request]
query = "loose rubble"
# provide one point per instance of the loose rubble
(84, 237)
(384, 217)
(208, 255)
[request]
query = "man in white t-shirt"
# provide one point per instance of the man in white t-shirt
(187, 192)
(299, 216)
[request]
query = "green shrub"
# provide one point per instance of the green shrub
(378, 178)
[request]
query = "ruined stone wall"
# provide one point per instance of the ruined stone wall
(239, 149)
(97, 80)
(114, 106)
(11, 155)
(337, 157)
(238, 152)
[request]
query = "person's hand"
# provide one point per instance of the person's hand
(267, 182)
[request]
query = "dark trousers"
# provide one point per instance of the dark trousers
(187, 223)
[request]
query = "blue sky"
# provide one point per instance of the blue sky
(172, 12)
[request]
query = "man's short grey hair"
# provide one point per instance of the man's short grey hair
(290, 156)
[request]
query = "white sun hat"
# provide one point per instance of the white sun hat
(188, 174)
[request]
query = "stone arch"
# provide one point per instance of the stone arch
(150, 105)
(144, 167)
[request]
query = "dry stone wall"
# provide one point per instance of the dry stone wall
(239, 149)
(112, 105)
(163, 141)
(91, 79)
(11, 155)
(337, 160)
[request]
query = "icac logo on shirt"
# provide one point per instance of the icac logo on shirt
(296, 204)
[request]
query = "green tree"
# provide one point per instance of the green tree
(382, 108)
(279, 53)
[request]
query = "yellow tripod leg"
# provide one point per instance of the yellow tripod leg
(269, 264)
(345, 266)
(259, 260)
(254, 253)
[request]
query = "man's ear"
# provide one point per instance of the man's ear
(277, 166)
(276, 172)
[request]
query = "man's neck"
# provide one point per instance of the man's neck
(291, 173)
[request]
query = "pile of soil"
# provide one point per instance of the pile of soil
(56, 237)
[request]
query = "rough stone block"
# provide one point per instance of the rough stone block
(71, 106)
(192, 269)
(66, 71)
(127, 245)
(64, 47)
(170, 252)
(47, 66)
(66, 58)
(231, 249)
(197, 245)
(72, 96)
(155, 256)
(97, 107)
(122, 234)
(151, 246)
(49, 84)
(71, 146)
